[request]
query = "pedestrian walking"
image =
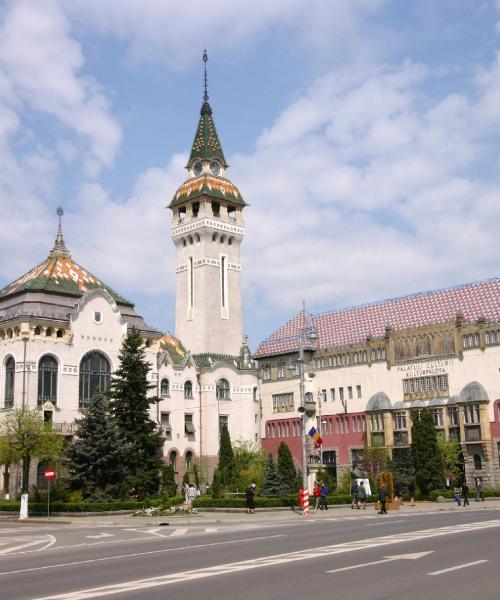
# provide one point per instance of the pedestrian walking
(398, 491)
(317, 495)
(354, 494)
(361, 496)
(458, 496)
(465, 493)
(324, 495)
(411, 492)
(191, 494)
(382, 498)
(250, 494)
(479, 490)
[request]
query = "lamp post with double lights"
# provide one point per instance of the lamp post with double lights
(305, 334)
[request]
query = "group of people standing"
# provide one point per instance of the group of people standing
(320, 493)
(462, 493)
(358, 493)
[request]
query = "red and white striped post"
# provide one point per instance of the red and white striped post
(305, 501)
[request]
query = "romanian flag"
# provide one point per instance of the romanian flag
(316, 438)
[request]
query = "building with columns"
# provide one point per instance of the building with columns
(61, 328)
(374, 366)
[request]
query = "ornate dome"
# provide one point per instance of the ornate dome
(379, 401)
(473, 392)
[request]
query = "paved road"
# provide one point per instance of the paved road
(283, 556)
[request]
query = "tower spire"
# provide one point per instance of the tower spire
(59, 248)
(205, 78)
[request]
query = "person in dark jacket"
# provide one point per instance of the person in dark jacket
(251, 498)
(323, 497)
(465, 494)
(361, 497)
(382, 498)
(354, 494)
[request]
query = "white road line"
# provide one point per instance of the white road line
(246, 565)
(162, 551)
(100, 535)
(464, 566)
(177, 532)
(47, 541)
(413, 556)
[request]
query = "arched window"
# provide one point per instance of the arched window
(223, 390)
(281, 370)
(164, 388)
(59, 333)
(47, 380)
(189, 460)
(478, 463)
(188, 389)
(95, 373)
(38, 330)
(48, 332)
(172, 458)
(10, 369)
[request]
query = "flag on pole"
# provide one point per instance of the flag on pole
(316, 438)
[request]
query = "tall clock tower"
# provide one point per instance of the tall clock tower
(207, 231)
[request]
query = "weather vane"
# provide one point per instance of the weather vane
(60, 212)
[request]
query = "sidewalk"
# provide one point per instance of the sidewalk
(223, 516)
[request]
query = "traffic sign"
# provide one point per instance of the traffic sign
(49, 474)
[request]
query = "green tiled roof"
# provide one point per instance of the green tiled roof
(206, 144)
(60, 274)
(174, 348)
(210, 359)
(210, 185)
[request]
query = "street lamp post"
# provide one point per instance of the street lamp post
(310, 334)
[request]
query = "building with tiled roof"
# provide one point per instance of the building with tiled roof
(62, 327)
(423, 350)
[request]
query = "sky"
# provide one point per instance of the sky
(364, 135)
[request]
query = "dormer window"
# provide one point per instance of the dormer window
(97, 316)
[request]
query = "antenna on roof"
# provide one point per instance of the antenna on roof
(205, 77)
(60, 212)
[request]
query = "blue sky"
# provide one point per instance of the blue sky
(363, 134)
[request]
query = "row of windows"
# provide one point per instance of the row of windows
(48, 332)
(492, 338)
(341, 424)
(166, 426)
(423, 345)
(471, 414)
(282, 402)
(343, 393)
(95, 375)
(195, 209)
(190, 239)
(433, 383)
(471, 340)
(222, 389)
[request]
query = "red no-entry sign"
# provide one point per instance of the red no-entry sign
(49, 474)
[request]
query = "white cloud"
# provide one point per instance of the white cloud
(172, 33)
(42, 67)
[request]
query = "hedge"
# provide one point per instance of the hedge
(488, 493)
(36, 508)
(264, 502)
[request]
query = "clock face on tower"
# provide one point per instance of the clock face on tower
(198, 168)
(214, 167)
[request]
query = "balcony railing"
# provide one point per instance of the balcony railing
(65, 428)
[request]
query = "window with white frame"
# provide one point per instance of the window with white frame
(400, 422)
(377, 421)
(437, 415)
(281, 370)
(282, 402)
(223, 389)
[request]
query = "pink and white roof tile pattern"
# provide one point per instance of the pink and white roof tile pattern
(352, 325)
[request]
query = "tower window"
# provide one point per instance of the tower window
(10, 369)
(231, 213)
(223, 280)
(182, 214)
(196, 209)
(216, 209)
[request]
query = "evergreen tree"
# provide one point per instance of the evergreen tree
(271, 485)
(426, 456)
(95, 458)
(217, 485)
(287, 472)
(130, 406)
(226, 458)
(168, 485)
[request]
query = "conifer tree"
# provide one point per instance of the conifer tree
(271, 485)
(168, 485)
(95, 458)
(287, 472)
(226, 458)
(425, 452)
(130, 407)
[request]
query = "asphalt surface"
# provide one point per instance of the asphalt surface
(414, 553)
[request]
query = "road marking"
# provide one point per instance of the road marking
(27, 542)
(100, 535)
(211, 530)
(177, 532)
(265, 561)
(464, 566)
(413, 556)
(132, 555)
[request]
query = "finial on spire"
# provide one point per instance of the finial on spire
(59, 248)
(205, 78)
